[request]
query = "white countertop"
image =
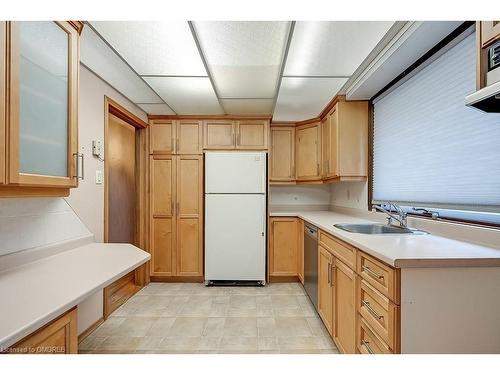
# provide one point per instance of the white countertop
(35, 293)
(402, 250)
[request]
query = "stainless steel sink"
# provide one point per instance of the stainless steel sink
(377, 229)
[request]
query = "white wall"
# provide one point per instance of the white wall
(349, 194)
(88, 199)
(313, 195)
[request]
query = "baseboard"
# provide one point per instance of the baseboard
(89, 330)
(177, 279)
(284, 279)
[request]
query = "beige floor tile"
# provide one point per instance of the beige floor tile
(91, 343)
(119, 343)
(317, 327)
(263, 300)
(266, 327)
(235, 344)
(209, 343)
(185, 344)
(284, 301)
(268, 343)
(160, 327)
(219, 310)
(149, 343)
(297, 343)
(134, 327)
(240, 327)
(289, 312)
(323, 342)
(187, 327)
(108, 327)
(214, 327)
(292, 326)
(242, 302)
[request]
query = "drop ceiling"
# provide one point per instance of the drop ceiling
(290, 70)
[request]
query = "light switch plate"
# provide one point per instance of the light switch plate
(98, 177)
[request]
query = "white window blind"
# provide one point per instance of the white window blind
(429, 149)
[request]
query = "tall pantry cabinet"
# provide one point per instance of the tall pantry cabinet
(176, 199)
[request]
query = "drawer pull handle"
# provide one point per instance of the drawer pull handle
(371, 310)
(373, 273)
(367, 346)
(330, 274)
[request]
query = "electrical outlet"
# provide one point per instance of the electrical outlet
(98, 177)
(97, 148)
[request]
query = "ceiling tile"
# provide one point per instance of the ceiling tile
(156, 109)
(155, 48)
(304, 98)
(187, 95)
(332, 48)
(248, 106)
(244, 58)
(100, 59)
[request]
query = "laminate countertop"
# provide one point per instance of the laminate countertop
(33, 294)
(402, 250)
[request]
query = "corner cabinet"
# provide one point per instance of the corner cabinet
(308, 152)
(282, 155)
(39, 92)
(40, 71)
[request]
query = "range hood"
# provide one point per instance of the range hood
(487, 99)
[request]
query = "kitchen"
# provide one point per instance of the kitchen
(249, 187)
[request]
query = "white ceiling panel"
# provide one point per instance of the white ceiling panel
(156, 109)
(155, 48)
(244, 58)
(187, 95)
(247, 106)
(99, 58)
(304, 98)
(334, 48)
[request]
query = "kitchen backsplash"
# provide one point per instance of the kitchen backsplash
(313, 196)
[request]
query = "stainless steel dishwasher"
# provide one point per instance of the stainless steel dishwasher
(311, 262)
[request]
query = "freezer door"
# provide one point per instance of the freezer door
(235, 172)
(235, 237)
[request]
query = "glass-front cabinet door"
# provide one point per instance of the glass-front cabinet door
(43, 75)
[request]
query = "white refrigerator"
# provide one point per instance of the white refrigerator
(235, 217)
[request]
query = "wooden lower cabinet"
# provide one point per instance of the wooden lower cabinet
(176, 215)
(344, 307)
(119, 292)
(57, 337)
(283, 247)
(325, 288)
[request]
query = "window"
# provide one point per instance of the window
(430, 150)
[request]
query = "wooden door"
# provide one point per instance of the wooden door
(162, 137)
(332, 169)
(252, 134)
(189, 212)
(3, 26)
(189, 139)
(490, 32)
(344, 307)
(283, 249)
(162, 225)
(219, 135)
(121, 215)
(308, 151)
(43, 103)
(282, 154)
(325, 290)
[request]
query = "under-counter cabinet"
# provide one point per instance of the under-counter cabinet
(283, 247)
(325, 288)
(39, 87)
(308, 152)
(176, 215)
(179, 137)
(282, 155)
(235, 135)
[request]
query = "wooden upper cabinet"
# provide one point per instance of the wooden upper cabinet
(252, 134)
(162, 136)
(189, 138)
(282, 154)
(3, 27)
(219, 135)
(490, 32)
(308, 152)
(42, 101)
(283, 246)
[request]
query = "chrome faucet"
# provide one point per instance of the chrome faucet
(401, 218)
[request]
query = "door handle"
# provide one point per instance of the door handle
(77, 166)
(330, 274)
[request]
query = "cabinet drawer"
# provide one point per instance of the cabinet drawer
(382, 277)
(341, 250)
(378, 312)
(118, 292)
(368, 342)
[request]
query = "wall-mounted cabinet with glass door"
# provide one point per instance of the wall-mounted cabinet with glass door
(39, 88)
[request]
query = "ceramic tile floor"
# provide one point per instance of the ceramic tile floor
(191, 318)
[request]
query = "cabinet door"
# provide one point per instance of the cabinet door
(344, 307)
(282, 154)
(308, 146)
(332, 169)
(283, 246)
(325, 146)
(189, 212)
(490, 32)
(162, 225)
(219, 135)
(162, 137)
(43, 78)
(252, 134)
(3, 26)
(189, 137)
(325, 289)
